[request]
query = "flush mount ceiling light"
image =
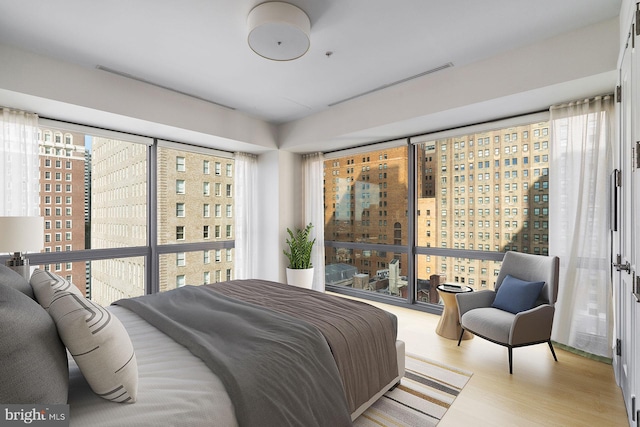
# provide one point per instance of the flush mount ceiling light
(278, 31)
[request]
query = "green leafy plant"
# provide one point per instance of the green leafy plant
(300, 246)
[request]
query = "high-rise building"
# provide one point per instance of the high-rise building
(118, 216)
(366, 202)
(195, 204)
(62, 202)
(492, 194)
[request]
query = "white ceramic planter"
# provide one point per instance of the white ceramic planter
(302, 278)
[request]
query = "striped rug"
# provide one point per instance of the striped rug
(426, 391)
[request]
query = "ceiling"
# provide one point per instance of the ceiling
(199, 47)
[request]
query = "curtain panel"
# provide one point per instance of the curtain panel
(246, 201)
(312, 177)
(19, 168)
(581, 159)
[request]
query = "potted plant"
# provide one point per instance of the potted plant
(300, 270)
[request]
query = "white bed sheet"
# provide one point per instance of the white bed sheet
(174, 387)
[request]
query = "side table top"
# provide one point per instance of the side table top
(454, 288)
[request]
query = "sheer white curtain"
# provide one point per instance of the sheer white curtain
(312, 177)
(245, 184)
(581, 155)
(19, 174)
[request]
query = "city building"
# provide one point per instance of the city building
(195, 204)
(62, 199)
(118, 216)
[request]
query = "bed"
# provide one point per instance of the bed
(332, 359)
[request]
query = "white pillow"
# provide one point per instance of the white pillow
(100, 345)
(46, 285)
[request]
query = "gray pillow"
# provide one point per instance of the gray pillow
(16, 281)
(33, 360)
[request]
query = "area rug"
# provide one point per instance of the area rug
(426, 391)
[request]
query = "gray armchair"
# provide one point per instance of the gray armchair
(527, 327)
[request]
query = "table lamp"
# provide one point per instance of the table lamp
(19, 235)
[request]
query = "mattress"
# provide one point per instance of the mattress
(174, 387)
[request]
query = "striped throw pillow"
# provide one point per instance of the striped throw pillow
(46, 285)
(100, 345)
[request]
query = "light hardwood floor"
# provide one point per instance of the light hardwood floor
(575, 391)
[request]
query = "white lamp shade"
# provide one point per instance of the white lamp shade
(278, 31)
(21, 234)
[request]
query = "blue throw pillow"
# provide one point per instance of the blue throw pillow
(515, 295)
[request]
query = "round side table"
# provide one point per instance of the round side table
(449, 324)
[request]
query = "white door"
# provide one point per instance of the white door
(623, 240)
(633, 287)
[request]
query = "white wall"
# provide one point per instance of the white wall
(280, 201)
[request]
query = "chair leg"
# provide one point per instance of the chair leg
(552, 351)
(460, 339)
(510, 360)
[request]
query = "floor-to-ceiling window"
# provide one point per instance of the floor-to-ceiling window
(195, 215)
(366, 219)
(100, 190)
(474, 194)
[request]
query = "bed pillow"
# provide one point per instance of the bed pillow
(33, 360)
(515, 295)
(46, 285)
(14, 280)
(100, 345)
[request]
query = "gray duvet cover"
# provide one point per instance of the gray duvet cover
(362, 337)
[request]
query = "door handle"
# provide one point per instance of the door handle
(618, 265)
(622, 267)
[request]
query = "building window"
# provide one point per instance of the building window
(206, 277)
(180, 186)
(180, 209)
(180, 232)
(229, 211)
(205, 210)
(218, 213)
(206, 188)
(180, 281)
(218, 168)
(206, 257)
(218, 255)
(180, 164)
(205, 232)
(205, 167)
(180, 259)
